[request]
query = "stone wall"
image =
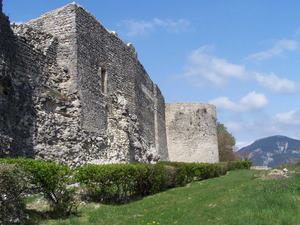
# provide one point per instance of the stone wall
(192, 132)
(88, 93)
(123, 100)
(59, 136)
(28, 74)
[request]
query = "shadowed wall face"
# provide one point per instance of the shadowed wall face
(24, 73)
(192, 133)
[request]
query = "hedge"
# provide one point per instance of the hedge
(122, 182)
(112, 182)
(188, 172)
(49, 178)
(237, 165)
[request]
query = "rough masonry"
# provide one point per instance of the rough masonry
(191, 132)
(72, 91)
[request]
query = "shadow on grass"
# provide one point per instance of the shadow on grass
(35, 216)
(117, 200)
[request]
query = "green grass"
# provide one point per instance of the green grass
(239, 198)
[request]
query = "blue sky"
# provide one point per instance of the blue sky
(242, 56)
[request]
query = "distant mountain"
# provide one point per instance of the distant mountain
(272, 151)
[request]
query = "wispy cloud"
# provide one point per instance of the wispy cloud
(290, 118)
(142, 27)
(251, 101)
(205, 67)
(275, 83)
(277, 49)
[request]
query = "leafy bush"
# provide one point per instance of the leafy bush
(170, 176)
(187, 172)
(51, 179)
(121, 182)
(237, 165)
(12, 186)
(156, 179)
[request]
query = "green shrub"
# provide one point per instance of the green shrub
(237, 165)
(52, 180)
(183, 172)
(156, 178)
(170, 176)
(187, 172)
(121, 182)
(12, 187)
(114, 182)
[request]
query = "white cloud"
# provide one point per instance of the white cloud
(205, 67)
(252, 101)
(233, 126)
(275, 83)
(225, 103)
(288, 118)
(278, 48)
(141, 27)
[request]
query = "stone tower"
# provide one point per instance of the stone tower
(192, 132)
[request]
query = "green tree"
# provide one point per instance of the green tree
(226, 143)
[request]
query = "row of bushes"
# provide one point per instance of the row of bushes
(106, 183)
(122, 182)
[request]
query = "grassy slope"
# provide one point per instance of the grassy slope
(238, 198)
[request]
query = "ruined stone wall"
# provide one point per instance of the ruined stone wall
(126, 105)
(106, 104)
(28, 71)
(192, 132)
(85, 137)
(59, 133)
(88, 99)
(61, 24)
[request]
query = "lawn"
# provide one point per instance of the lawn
(239, 198)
